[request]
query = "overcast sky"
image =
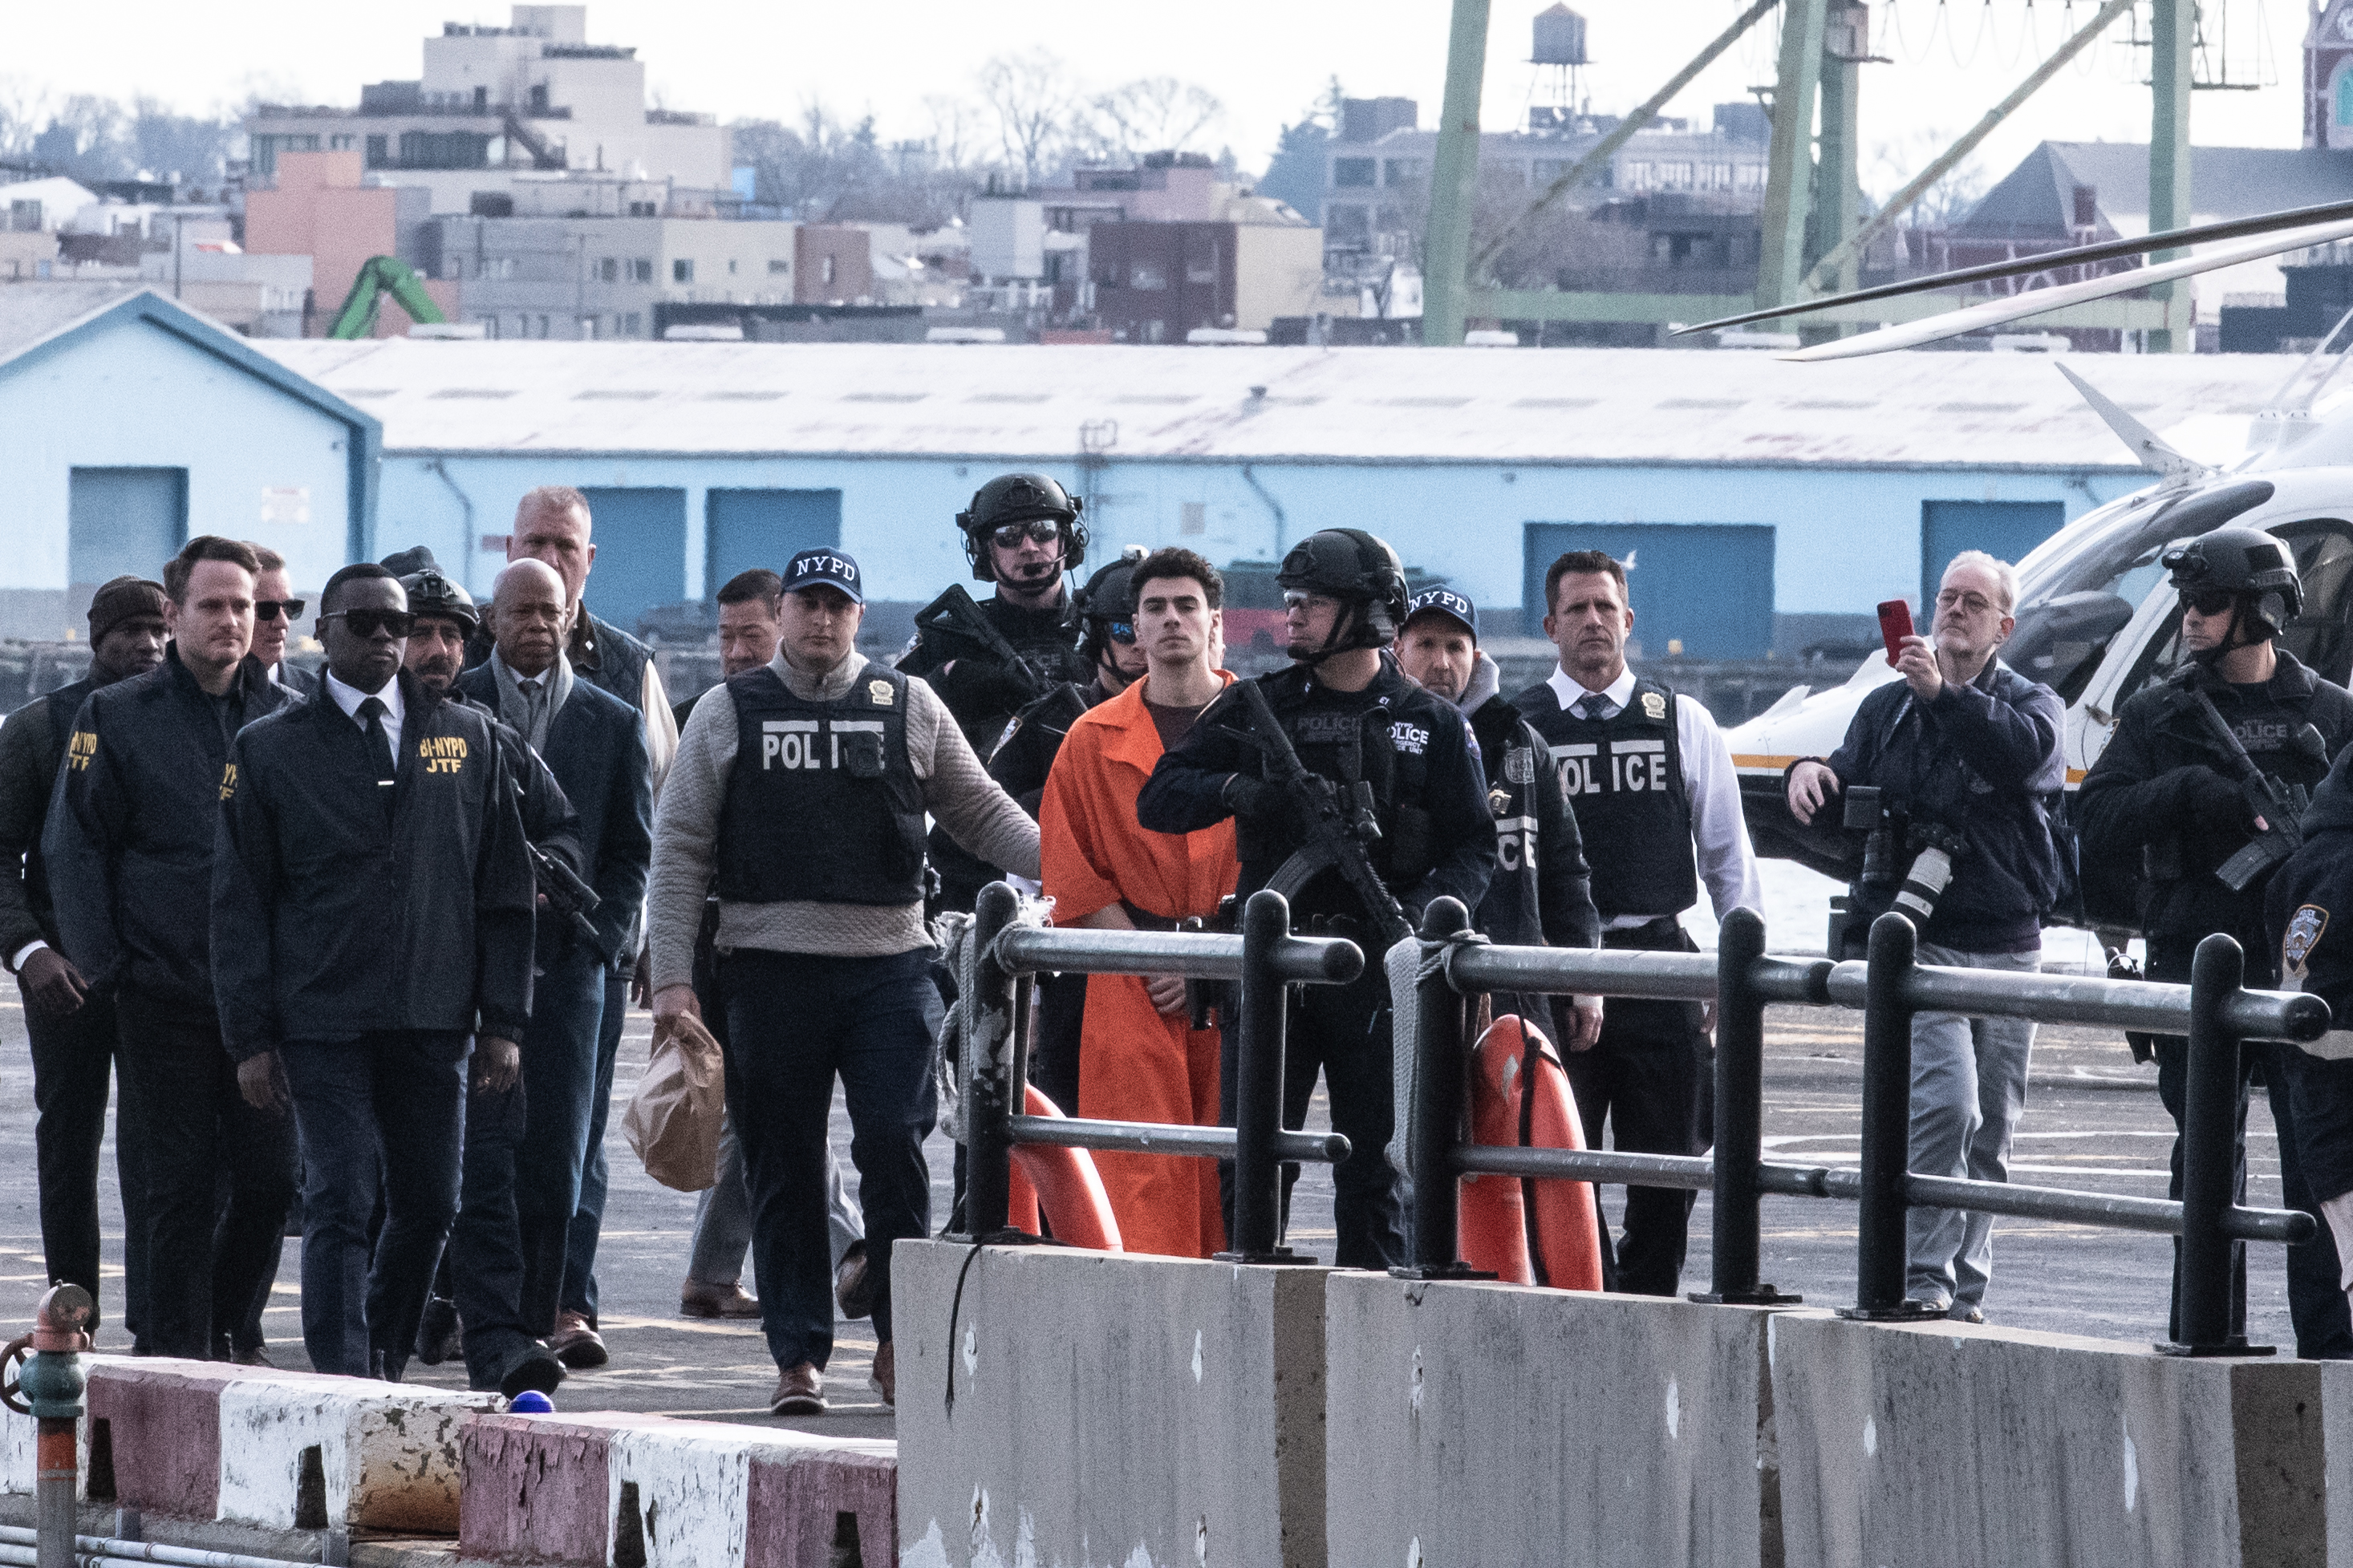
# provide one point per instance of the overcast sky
(1267, 61)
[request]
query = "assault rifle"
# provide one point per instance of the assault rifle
(958, 622)
(568, 898)
(2278, 808)
(1337, 827)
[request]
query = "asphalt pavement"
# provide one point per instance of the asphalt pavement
(2092, 1122)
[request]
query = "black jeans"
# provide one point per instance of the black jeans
(73, 1067)
(382, 1117)
(1650, 1078)
(204, 1266)
(494, 1261)
(1343, 1031)
(793, 1022)
(2315, 1301)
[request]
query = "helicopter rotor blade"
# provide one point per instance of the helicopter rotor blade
(2079, 255)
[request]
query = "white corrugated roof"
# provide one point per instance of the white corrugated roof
(1573, 406)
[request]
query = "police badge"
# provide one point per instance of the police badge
(878, 692)
(2303, 929)
(1654, 705)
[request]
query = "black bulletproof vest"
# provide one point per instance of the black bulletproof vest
(822, 804)
(1624, 778)
(1512, 910)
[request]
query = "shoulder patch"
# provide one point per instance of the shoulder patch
(1654, 705)
(878, 691)
(80, 747)
(2304, 931)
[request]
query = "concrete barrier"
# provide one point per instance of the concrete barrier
(281, 1450)
(585, 1491)
(1938, 1441)
(1108, 1409)
(1490, 1424)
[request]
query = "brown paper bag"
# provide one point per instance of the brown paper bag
(673, 1121)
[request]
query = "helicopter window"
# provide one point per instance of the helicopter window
(2323, 560)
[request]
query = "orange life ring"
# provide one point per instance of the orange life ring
(1066, 1182)
(1527, 1232)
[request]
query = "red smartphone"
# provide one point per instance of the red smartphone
(1894, 625)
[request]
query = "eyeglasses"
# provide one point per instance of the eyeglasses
(1956, 599)
(1040, 530)
(2209, 601)
(1122, 631)
(374, 623)
(278, 609)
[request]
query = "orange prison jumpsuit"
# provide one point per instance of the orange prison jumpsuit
(1135, 1064)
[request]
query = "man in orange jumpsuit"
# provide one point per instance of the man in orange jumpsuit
(1140, 1059)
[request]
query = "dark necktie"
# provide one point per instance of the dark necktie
(1595, 706)
(379, 742)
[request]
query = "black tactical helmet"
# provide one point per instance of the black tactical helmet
(1357, 569)
(2244, 561)
(1020, 498)
(1109, 596)
(432, 594)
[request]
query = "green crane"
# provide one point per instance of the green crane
(379, 276)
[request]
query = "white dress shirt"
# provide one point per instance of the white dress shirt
(349, 697)
(1728, 863)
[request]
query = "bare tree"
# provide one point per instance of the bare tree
(24, 109)
(1944, 204)
(1031, 96)
(1152, 114)
(957, 131)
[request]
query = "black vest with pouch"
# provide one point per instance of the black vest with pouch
(822, 804)
(1623, 776)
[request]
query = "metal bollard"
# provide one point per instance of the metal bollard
(49, 1391)
(987, 1069)
(1886, 1128)
(1441, 1034)
(1261, 1004)
(1739, 1115)
(2208, 1160)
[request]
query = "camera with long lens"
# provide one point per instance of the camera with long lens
(1907, 864)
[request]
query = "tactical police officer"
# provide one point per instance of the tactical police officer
(1652, 782)
(1353, 719)
(987, 661)
(802, 787)
(2167, 793)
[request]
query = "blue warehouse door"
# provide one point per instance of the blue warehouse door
(766, 528)
(122, 521)
(2006, 529)
(1708, 585)
(640, 537)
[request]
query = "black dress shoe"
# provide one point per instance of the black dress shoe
(534, 1369)
(440, 1335)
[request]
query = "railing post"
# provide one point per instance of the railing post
(1439, 1052)
(49, 1389)
(988, 1068)
(2209, 1157)
(1886, 1127)
(1739, 1114)
(1263, 1001)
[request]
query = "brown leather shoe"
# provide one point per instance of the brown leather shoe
(853, 1284)
(575, 1343)
(886, 1373)
(697, 1300)
(800, 1391)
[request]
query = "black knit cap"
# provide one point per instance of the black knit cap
(120, 600)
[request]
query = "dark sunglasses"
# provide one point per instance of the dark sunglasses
(1122, 632)
(374, 623)
(278, 609)
(1042, 530)
(2209, 601)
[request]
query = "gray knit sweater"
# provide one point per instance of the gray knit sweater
(957, 791)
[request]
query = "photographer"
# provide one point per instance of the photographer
(1963, 752)
(2171, 797)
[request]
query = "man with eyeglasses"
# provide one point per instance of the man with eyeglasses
(2162, 798)
(1967, 757)
(275, 611)
(1021, 533)
(128, 850)
(371, 914)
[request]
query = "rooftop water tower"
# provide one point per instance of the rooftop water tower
(1559, 57)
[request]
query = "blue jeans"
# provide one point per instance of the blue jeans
(1968, 1085)
(793, 1022)
(384, 1115)
(589, 1212)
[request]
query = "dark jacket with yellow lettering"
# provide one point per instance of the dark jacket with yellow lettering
(128, 847)
(332, 919)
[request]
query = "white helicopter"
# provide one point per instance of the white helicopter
(2096, 621)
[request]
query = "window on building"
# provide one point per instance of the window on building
(1147, 275)
(608, 270)
(731, 266)
(826, 270)
(632, 325)
(1400, 170)
(379, 152)
(342, 144)
(2344, 97)
(542, 326)
(1201, 259)
(641, 270)
(777, 268)
(643, 209)
(682, 270)
(1353, 174)
(490, 325)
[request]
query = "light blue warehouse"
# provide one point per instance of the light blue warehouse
(127, 422)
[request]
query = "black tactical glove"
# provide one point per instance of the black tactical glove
(2210, 801)
(1255, 801)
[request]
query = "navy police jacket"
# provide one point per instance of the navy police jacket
(2308, 910)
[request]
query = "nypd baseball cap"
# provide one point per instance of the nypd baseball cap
(826, 568)
(1446, 602)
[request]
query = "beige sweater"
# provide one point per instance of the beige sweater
(957, 791)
